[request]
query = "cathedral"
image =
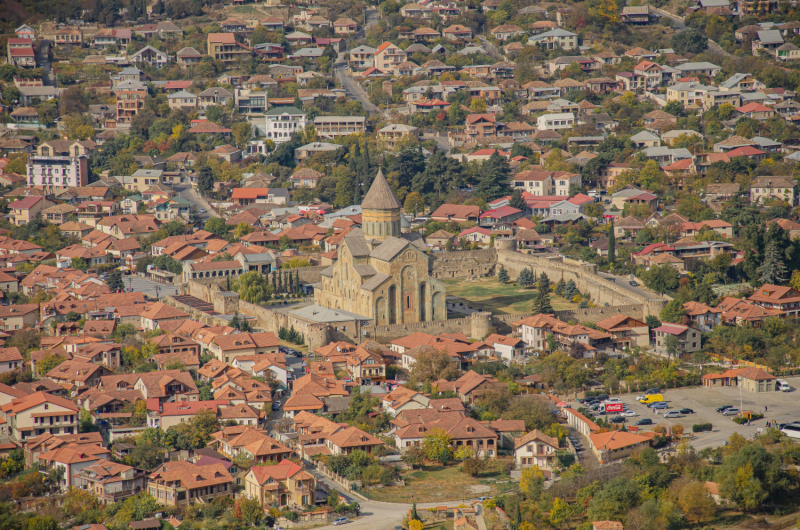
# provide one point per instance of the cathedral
(380, 272)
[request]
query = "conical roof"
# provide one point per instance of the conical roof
(380, 196)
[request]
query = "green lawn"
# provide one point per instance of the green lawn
(437, 483)
(491, 295)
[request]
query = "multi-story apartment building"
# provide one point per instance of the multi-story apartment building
(129, 103)
(332, 126)
(362, 58)
(281, 122)
(223, 47)
(40, 413)
(58, 172)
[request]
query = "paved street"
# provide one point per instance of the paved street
(192, 195)
(150, 288)
(704, 401)
(625, 282)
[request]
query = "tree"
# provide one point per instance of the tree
(672, 312)
(517, 201)
(205, 180)
(77, 501)
(437, 446)
(696, 503)
(477, 105)
(217, 226)
(114, 281)
(671, 345)
(541, 304)
(48, 362)
(661, 278)
(544, 282)
(493, 181)
(689, 41)
(432, 365)
(415, 524)
(773, 269)
(559, 512)
(241, 132)
(531, 482)
(251, 511)
(502, 275)
(415, 456)
(525, 278)
(414, 203)
(531, 410)
(615, 499)
(612, 243)
(570, 290)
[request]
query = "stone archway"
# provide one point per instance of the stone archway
(380, 311)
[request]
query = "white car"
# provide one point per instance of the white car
(613, 400)
(627, 413)
(639, 398)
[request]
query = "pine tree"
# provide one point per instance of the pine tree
(502, 275)
(612, 244)
(541, 304)
(560, 287)
(772, 270)
(544, 282)
(525, 278)
(570, 290)
(517, 201)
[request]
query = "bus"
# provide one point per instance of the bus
(792, 430)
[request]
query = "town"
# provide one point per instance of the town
(448, 265)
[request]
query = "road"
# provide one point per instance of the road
(624, 282)
(491, 49)
(192, 195)
(150, 288)
(351, 86)
(43, 61)
(680, 24)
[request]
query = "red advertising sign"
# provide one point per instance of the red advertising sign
(613, 407)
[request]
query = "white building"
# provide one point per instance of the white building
(554, 122)
(281, 122)
(58, 172)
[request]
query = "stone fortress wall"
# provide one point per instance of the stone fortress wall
(609, 298)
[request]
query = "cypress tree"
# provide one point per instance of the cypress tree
(289, 283)
(275, 281)
(280, 281)
(612, 244)
(297, 281)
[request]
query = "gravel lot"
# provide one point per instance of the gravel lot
(782, 408)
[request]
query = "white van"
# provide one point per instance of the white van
(783, 386)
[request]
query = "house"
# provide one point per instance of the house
(752, 379)
(742, 312)
(506, 31)
(24, 211)
(224, 47)
(703, 317)
(180, 483)
(188, 57)
(71, 458)
(252, 443)
(614, 445)
(333, 126)
(764, 189)
(282, 122)
(39, 413)
(227, 347)
(688, 338)
(182, 100)
(108, 37)
(387, 56)
(756, 111)
(401, 399)
(508, 348)
(556, 38)
(536, 449)
(110, 481)
(412, 426)
(638, 15)
(151, 56)
(393, 133)
(627, 332)
(282, 484)
(771, 296)
(554, 122)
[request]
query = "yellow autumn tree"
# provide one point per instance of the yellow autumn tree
(608, 12)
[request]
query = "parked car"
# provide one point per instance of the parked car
(660, 405)
(602, 397)
(645, 421)
(653, 391)
(617, 419)
(628, 413)
(686, 411)
(484, 499)
(641, 397)
(202, 210)
(723, 408)
(633, 283)
(276, 405)
(341, 520)
(733, 411)
(672, 414)
(613, 400)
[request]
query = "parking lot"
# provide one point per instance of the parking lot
(782, 407)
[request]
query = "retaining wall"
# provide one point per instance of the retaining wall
(462, 264)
